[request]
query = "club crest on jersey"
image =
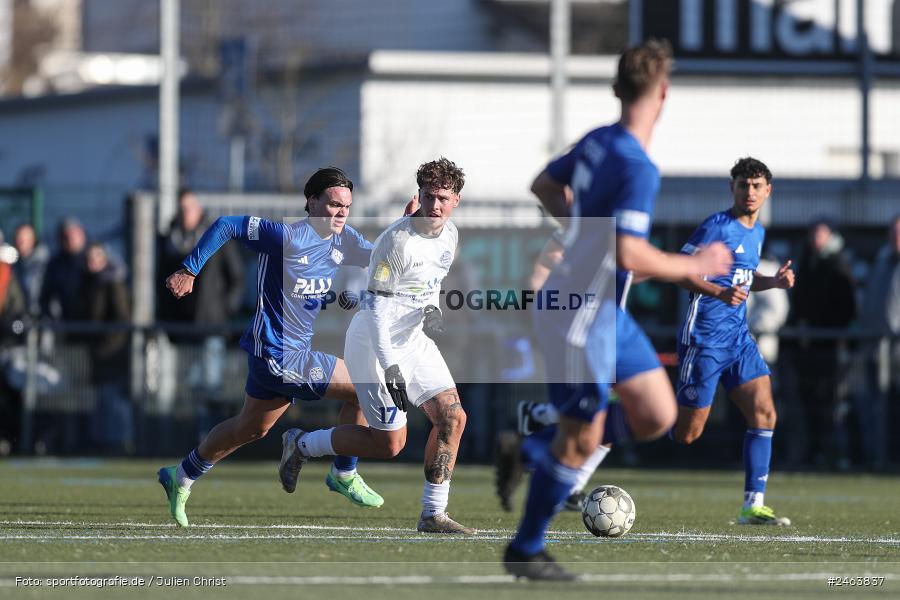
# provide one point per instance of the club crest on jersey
(446, 259)
(337, 256)
(316, 374)
(382, 272)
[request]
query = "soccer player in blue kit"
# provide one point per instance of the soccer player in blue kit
(606, 174)
(297, 265)
(715, 345)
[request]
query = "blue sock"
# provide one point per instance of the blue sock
(345, 463)
(615, 430)
(536, 445)
(550, 486)
(194, 466)
(757, 455)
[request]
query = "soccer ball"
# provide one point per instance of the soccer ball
(608, 511)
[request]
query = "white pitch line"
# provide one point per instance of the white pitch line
(484, 534)
(569, 537)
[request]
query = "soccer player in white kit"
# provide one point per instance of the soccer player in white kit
(392, 361)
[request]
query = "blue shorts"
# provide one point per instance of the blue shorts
(583, 399)
(703, 368)
(267, 380)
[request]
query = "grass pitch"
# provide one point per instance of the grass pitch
(101, 519)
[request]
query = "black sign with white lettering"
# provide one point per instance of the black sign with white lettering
(772, 29)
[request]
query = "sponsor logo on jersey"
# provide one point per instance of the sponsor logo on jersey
(446, 259)
(303, 260)
(418, 263)
(742, 277)
(382, 272)
(316, 374)
(253, 228)
(312, 287)
(740, 249)
(337, 256)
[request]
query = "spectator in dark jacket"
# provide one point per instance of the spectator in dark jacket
(65, 270)
(213, 302)
(219, 296)
(879, 400)
(105, 299)
(33, 257)
(824, 298)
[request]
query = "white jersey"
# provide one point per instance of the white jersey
(408, 268)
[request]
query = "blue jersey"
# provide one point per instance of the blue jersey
(610, 176)
(710, 322)
(296, 271)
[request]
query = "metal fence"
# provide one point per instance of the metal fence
(176, 382)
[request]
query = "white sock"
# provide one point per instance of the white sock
(434, 498)
(545, 414)
(316, 443)
(587, 469)
(753, 499)
(182, 478)
(342, 474)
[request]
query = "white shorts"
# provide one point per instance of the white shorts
(421, 364)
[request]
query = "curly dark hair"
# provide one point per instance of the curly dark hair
(749, 167)
(443, 174)
(323, 179)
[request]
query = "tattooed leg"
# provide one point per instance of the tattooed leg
(449, 420)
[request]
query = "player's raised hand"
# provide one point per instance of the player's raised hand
(784, 278)
(412, 206)
(714, 259)
(181, 283)
(396, 386)
(734, 295)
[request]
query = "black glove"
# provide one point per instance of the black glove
(396, 385)
(433, 325)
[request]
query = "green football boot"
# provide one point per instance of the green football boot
(176, 495)
(761, 515)
(354, 489)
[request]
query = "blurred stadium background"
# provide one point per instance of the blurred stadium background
(271, 91)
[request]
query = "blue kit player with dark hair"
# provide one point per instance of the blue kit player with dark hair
(715, 345)
(297, 265)
(607, 174)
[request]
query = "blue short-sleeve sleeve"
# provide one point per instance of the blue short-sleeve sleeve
(357, 249)
(561, 168)
(706, 233)
(634, 205)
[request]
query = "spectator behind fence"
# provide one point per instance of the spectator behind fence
(767, 312)
(211, 304)
(881, 304)
(824, 298)
(104, 299)
(32, 263)
(220, 295)
(12, 307)
(60, 291)
(881, 314)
